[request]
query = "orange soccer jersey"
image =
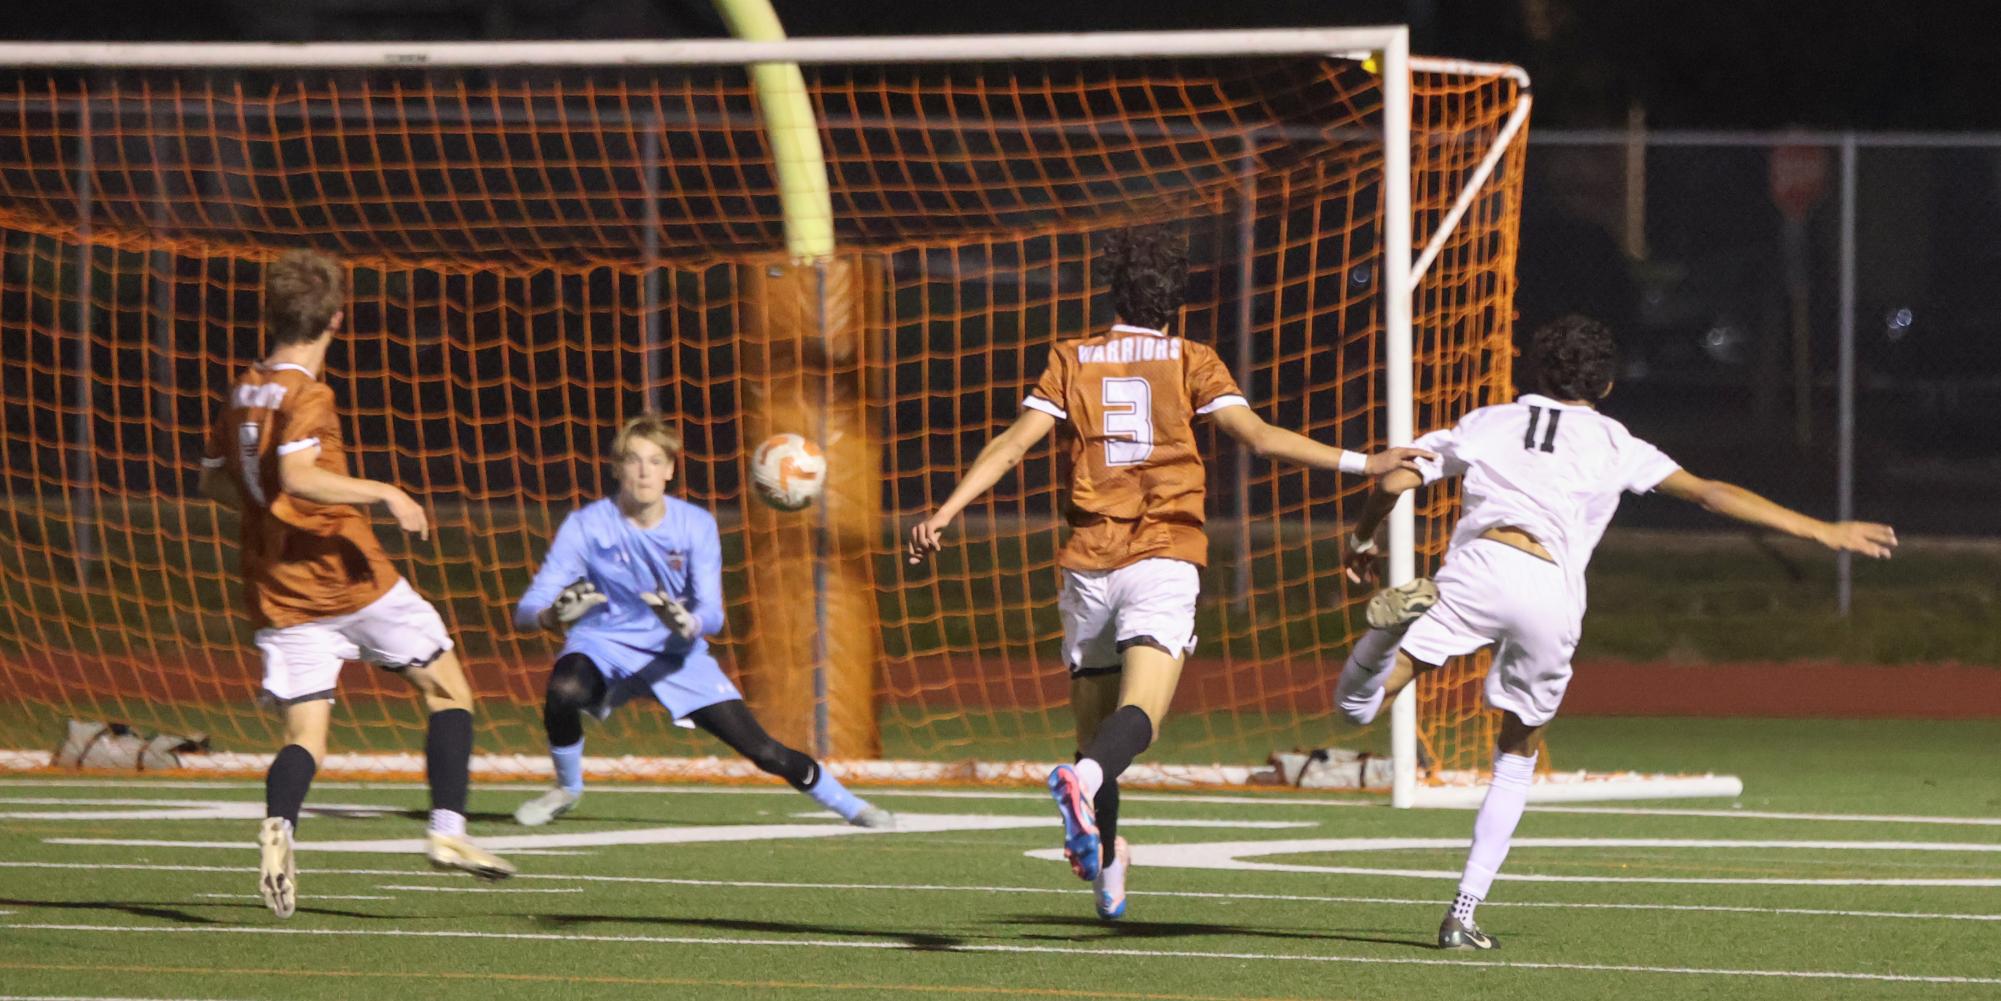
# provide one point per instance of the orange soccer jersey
(1137, 480)
(301, 560)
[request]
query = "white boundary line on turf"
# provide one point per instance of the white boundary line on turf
(1093, 952)
(985, 890)
(316, 896)
(74, 997)
(1276, 799)
(478, 889)
(1867, 818)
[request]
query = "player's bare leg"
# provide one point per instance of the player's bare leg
(1094, 697)
(285, 785)
(1514, 768)
(447, 764)
(1147, 678)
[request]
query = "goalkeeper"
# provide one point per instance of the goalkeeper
(635, 581)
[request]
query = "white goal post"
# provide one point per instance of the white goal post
(1386, 49)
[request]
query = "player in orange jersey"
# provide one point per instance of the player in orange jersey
(1132, 561)
(316, 582)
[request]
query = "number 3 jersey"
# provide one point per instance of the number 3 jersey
(300, 560)
(1554, 470)
(1137, 481)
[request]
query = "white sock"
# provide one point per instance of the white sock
(1360, 690)
(449, 822)
(1092, 775)
(1494, 827)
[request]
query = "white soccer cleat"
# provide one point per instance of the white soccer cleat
(1399, 606)
(874, 818)
(449, 851)
(546, 807)
(1111, 882)
(277, 873)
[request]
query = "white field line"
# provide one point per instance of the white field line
(1094, 953)
(475, 889)
(316, 896)
(1307, 898)
(1862, 818)
(91, 997)
(1291, 799)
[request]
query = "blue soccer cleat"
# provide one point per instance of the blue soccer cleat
(1080, 829)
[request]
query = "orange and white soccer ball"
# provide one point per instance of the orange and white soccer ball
(788, 471)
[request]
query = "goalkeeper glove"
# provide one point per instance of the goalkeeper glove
(674, 615)
(569, 606)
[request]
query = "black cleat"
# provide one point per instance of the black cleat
(1457, 934)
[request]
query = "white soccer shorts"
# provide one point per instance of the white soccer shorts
(1104, 611)
(1491, 592)
(397, 631)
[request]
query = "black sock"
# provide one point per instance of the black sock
(1120, 738)
(1105, 810)
(286, 783)
(447, 756)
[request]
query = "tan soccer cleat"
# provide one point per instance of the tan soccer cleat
(1399, 606)
(277, 873)
(452, 852)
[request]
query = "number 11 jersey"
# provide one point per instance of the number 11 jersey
(1137, 481)
(1554, 470)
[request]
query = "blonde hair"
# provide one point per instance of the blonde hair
(303, 289)
(650, 427)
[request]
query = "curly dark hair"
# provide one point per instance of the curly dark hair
(1146, 268)
(1574, 358)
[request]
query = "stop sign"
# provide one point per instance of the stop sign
(1799, 178)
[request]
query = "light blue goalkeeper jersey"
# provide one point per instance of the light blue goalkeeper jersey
(681, 555)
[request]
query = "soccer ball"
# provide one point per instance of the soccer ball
(788, 471)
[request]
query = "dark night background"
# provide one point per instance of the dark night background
(1693, 64)
(1700, 301)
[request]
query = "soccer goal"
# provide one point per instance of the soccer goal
(870, 242)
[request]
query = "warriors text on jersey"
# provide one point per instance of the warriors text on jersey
(301, 560)
(1137, 480)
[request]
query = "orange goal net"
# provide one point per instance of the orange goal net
(537, 253)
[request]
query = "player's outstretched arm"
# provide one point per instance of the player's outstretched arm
(562, 590)
(1732, 501)
(300, 475)
(1001, 454)
(1270, 442)
(1358, 547)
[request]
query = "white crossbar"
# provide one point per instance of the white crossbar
(709, 51)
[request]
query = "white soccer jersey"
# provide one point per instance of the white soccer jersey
(1554, 470)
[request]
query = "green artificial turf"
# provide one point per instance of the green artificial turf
(964, 912)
